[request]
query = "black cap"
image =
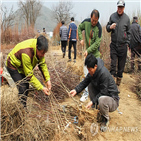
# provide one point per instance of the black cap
(63, 22)
(72, 18)
(121, 3)
(135, 18)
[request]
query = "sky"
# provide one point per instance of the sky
(83, 8)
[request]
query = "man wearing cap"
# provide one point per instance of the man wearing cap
(135, 42)
(119, 26)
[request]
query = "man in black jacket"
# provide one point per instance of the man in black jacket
(102, 88)
(119, 26)
(135, 42)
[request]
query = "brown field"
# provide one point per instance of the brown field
(53, 118)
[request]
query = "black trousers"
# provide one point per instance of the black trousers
(23, 86)
(74, 47)
(63, 46)
(118, 56)
(138, 49)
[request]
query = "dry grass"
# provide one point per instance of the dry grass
(137, 86)
(44, 118)
(105, 48)
(56, 36)
(14, 36)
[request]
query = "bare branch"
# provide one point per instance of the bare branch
(62, 11)
(7, 18)
(30, 10)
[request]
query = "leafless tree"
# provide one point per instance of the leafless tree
(62, 11)
(30, 10)
(7, 21)
(7, 18)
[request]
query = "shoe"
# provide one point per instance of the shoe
(100, 118)
(69, 60)
(104, 125)
(84, 97)
(118, 81)
(118, 87)
(74, 60)
(63, 55)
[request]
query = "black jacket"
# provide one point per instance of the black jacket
(135, 35)
(121, 34)
(102, 81)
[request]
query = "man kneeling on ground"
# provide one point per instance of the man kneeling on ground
(102, 89)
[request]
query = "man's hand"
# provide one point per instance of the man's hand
(73, 92)
(89, 105)
(36, 68)
(46, 91)
(48, 84)
(113, 26)
(82, 42)
(85, 54)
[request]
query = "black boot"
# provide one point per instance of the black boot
(100, 118)
(118, 81)
(104, 125)
(63, 54)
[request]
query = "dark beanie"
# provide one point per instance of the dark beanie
(135, 18)
(63, 22)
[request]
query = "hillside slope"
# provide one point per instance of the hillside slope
(44, 20)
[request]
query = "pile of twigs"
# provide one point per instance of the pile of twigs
(62, 78)
(44, 118)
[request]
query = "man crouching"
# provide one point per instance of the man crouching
(102, 89)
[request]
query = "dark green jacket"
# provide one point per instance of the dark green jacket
(93, 36)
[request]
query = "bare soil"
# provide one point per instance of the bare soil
(122, 127)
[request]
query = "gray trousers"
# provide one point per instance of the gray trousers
(106, 104)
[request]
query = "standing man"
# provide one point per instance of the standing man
(21, 62)
(93, 35)
(63, 35)
(102, 89)
(119, 26)
(44, 30)
(72, 36)
(135, 42)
